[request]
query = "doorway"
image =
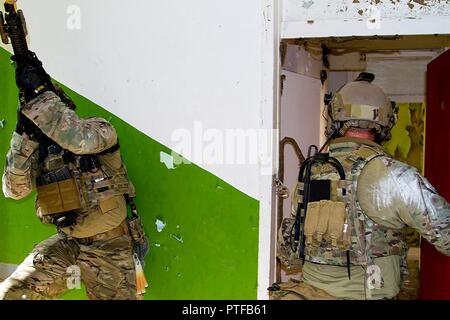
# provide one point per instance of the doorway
(311, 69)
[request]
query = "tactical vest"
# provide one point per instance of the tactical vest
(78, 183)
(338, 232)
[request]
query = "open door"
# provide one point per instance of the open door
(435, 267)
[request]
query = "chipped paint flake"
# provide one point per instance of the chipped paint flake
(299, 10)
(167, 159)
(178, 238)
(160, 225)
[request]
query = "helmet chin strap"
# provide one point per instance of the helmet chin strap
(336, 133)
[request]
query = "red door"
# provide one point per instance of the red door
(435, 267)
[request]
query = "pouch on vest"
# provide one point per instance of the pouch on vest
(58, 192)
(59, 197)
(108, 204)
(321, 213)
(135, 225)
(311, 193)
(326, 223)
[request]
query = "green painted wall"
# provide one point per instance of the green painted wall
(218, 255)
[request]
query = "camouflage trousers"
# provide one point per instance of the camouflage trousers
(298, 290)
(105, 267)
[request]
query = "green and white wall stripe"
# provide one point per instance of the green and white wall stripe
(151, 68)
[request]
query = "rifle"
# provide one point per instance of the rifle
(13, 27)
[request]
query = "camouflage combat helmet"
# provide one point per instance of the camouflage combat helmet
(362, 104)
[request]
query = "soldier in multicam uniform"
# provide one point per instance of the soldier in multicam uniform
(82, 185)
(354, 242)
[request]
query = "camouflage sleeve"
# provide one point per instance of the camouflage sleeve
(21, 167)
(62, 125)
(396, 194)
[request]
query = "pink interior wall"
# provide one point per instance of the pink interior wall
(300, 119)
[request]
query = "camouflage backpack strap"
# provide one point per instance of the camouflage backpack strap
(362, 153)
(364, 227)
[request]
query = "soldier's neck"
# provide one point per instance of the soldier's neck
(360, 134)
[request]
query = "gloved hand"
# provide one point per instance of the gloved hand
(31, 78)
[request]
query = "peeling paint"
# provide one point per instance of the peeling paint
(178, 238)
(160, 225)
(299, 10)
(167, 159)
(422, 2)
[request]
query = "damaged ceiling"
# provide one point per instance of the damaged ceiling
(377, 43)
(311, 10)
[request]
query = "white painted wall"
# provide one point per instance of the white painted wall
(161, 65)
(324, 18)
(269, 108)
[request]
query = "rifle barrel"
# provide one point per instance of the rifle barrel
(15, 30)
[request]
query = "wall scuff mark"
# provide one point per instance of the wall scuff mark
(307, 4)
